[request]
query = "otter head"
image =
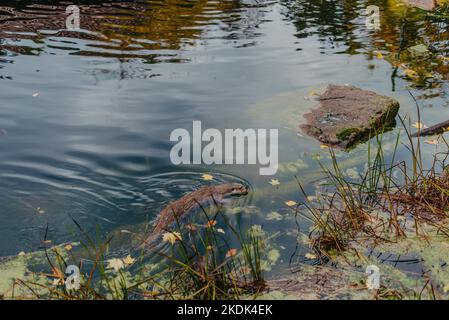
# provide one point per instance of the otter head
(233, 189)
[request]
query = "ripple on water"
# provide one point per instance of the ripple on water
(154, 30)
(42, 191)
(166, 187)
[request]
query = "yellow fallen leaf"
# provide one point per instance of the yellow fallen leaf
(56, 282)
(310, 256)
(171, 237)
(419, 125)
(291, 203)
(274, 182)
(323, 146)
(68, 247)
(211, 223)
(410, 73)
(311, 198)
(431, 141)
(231, 253)
(379, 55)
(207, 177)
(129, 260)
(21, 253)
(115, 264)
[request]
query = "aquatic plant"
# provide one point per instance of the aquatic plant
(391, 204)
(194, 261)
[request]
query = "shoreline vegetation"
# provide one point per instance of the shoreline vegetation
(394, 212)
(394, 208)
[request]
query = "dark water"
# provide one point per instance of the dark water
(85, 117)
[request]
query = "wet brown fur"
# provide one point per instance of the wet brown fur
(191, 201)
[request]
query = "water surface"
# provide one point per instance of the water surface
(85, 117)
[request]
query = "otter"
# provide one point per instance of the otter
(191, 202)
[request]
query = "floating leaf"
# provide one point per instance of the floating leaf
(56, 282)
(273, 215)
(115, 264)
(431, 141)
(231, 253)
(419, 125)
(310, 256)
(211, 223)
(207, 177)
(219, 230)
(291, 203)
(35, 93)
(171, 237)
(274, 182)
(410, 73)
(68, 247)
(129, 260)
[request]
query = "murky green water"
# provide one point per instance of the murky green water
(85, 117)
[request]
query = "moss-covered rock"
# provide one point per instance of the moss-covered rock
(347, 115)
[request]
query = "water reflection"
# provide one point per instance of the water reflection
(340, 27)
(154, 30)
(85, 116)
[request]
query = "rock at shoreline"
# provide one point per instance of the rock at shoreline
(347, 115)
